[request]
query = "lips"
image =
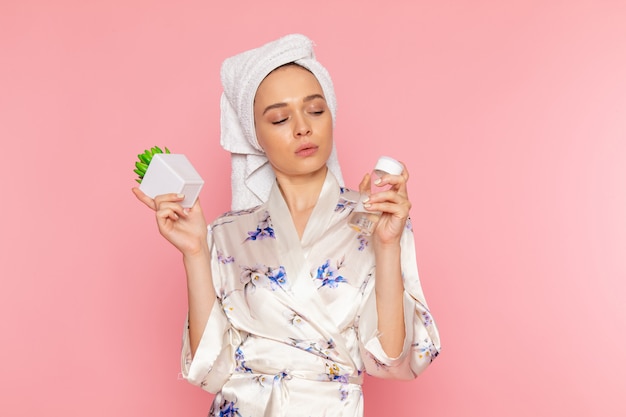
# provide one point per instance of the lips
(306, 149)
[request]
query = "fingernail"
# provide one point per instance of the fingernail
(378, 181)
(180, 195)
(366, 200)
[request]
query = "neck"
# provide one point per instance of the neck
(301, 193)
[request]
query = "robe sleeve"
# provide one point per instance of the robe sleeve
(213, 362)
(421, 344)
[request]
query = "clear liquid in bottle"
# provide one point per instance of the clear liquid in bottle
(362, 220)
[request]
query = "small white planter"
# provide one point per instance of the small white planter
(172, 173)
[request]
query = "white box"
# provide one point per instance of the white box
(172, 173)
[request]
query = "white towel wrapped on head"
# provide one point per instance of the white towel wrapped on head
(252, 176)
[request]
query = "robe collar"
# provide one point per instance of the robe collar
(303, 294)
(320, 216)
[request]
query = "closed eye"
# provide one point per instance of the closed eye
(278, 122)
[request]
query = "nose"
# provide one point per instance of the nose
(302, 126)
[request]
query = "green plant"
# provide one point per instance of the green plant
(141, 166)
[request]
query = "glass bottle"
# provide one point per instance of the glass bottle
(362, 220)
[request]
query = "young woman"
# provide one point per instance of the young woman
(288, 306)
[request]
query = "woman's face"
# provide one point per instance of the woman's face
(292, 122)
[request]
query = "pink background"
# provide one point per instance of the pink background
(511, 116)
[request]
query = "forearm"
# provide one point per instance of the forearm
(389, 299)
(200, 294)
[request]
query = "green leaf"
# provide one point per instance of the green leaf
(143, 158)
(144, 161)
(141, 166)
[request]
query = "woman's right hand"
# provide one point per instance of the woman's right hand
(186, 229)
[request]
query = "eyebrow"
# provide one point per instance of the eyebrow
(304, 100)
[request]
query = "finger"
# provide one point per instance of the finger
(165, 215)
(388, 201)
(405, 172)
(141, 196)
(390, 179)
(195, 207)
(168, 198)
(386, 197)
(400, 210)
(174, 207)
(394, 183)
(365, 185)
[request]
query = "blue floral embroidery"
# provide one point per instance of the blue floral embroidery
(277, 277)
(282, 375)
(260, 234)
(224, 259)
(426, 348)
(344, 204)
(320, 348)
(333, 373)
(263, 230)
(330, 344)
(222, 407)
(329, 276)
(264, 276)
(228, 409)
(363, 242)
(343, 392)
(241, 361)
(428, 320)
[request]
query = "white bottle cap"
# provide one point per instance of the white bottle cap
(389, 165)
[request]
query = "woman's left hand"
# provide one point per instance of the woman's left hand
(393, 203)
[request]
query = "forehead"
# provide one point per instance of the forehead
(288, 82)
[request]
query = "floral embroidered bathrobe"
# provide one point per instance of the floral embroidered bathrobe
(295, 325)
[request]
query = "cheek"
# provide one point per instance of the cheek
(269, 140)
(262, 137)
(260, 140)
(328, 130)
(328, 123)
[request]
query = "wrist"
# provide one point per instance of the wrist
(391, 246)
(192, 254)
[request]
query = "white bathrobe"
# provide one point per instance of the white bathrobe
(295, 326)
